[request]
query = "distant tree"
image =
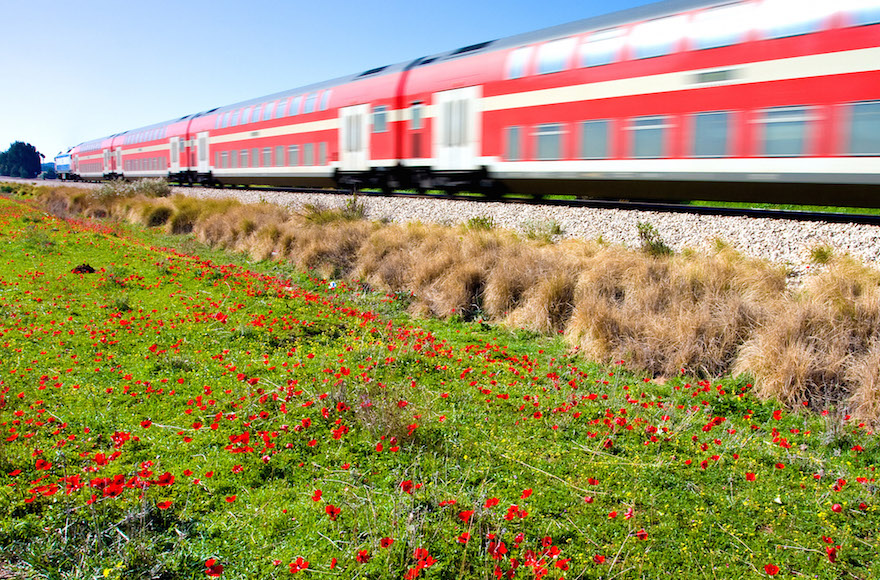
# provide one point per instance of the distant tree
(20, 160)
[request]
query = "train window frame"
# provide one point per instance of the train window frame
(775, 17)
(555, 55)
(586, 141)
(658, 37)
(267, 157)
(244, 159)
(255, 157)
(861, 12)
(513, 143)
(309, 154)
(518, 62)
(325, 100)
(380, 119)
(417, 115)
(293, 156)
(322, 153)
(774, 117)
(601, 47)
(709, 152)
(311, 102)
(279, 156)
(295, 104)
(549, 136)
(873, 148)
(233, 159)
(710, 28)
(641, 128)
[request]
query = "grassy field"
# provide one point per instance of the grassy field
(185, 413)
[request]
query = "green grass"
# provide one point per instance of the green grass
(180, 409)
(789, 207)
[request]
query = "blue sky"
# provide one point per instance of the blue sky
(75, 71)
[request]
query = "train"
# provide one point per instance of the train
(752, 100)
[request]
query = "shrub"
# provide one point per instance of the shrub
(651, 242)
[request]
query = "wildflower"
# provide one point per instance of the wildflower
(212, 568)
(771, 569)
(332, 511)
(363, 557)
(386, 542)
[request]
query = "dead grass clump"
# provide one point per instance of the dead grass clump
(820, 347)
(235, 227)
(386, 258)
(664, 314)
(331, 250)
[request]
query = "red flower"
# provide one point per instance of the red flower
(837, 508)
(831, 551)
(598, 559)
(332, 511)
(43, 465)
(463, 538)
(642, 534)
(163, 505)
(363, 556)
(407, 486)
(465, 515)
(526, 493)
(491, 502)
(212, 568)
(230, 498)
(146, 423)
(771, 569)
(780, 466)
(317, 495)
(386, 542)
(750, 476)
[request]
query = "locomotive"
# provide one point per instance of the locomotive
(758, 100)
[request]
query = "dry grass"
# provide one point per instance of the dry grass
(821, 346)
(665, 314)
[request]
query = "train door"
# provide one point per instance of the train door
(456, 129)
(106, 167)
(354, 132)
(175, 154)
(118, 160)
(202, 153)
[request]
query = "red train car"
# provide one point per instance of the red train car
(775, 100)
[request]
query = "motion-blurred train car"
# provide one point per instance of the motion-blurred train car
(771, 100)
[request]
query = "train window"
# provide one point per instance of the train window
(322, 153)
(601, 48)
(862, 12)
(234, 120)
(785, 131)
(416, 114)
(255, 157)
(548, 141)
(267, 157)
(721, 26)
(518, 61)
(514, 143)
(325, 101)
(594, 139)
(281, 108)
(780, 18)
(648, 136)
(293, 155)
(554, 56)
(279, 156)
(269, 110)
(244, 158)
(657, 37)
(294, 106)
(309, 154)
(864, 137)
(380, 119)
(310, 103)
(711, 134)
(258, 114)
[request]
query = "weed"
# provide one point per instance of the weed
(651, 242)
(483, 223)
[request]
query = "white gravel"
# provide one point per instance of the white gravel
(786, 242)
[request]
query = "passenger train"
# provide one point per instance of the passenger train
(767, 100)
